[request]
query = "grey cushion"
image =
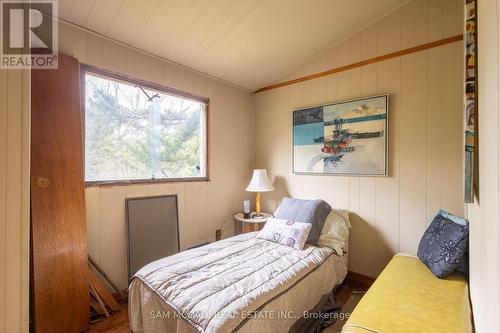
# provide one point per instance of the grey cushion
(463, 265)
(307, 211)
(443, 245)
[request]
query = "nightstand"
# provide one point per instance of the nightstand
(243, 225)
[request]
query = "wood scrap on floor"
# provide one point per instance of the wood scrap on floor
(96, 302)
(102, 302)
(120, 294)
(102, 292)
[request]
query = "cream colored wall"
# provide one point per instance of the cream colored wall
(389, 214)
(484, 214)
(14, 200)
(425, 172)
(203, 206)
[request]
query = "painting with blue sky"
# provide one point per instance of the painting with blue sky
(342, 138)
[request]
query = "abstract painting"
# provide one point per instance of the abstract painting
(345, 138)
(470, 101)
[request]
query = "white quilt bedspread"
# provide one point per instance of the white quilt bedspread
(215, 287)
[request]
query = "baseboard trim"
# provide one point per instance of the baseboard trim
(360, 278)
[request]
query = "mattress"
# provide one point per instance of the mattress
(241, 284)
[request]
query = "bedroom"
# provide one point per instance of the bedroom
(229, 87)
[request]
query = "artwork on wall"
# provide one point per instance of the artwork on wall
(470, 101)
(345, 138)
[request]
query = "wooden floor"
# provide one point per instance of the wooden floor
(118, 323)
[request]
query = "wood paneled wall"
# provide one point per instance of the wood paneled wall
(389, 214)
(484, 214)
(14, 200)
(203, 206)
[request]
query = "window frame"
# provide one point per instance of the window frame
(112, 75)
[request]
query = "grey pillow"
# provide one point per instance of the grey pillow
(463, 265)
(443, 245)
(307, 211)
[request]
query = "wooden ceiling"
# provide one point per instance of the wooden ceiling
(250, 43)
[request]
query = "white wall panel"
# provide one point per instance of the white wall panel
(389, 214)
(484, 214)
(14, 200)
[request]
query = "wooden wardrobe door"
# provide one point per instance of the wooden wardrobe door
(59, 242)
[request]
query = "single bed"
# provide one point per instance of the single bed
(240, 284)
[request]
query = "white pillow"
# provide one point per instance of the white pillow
(285, 232)
(335, 232)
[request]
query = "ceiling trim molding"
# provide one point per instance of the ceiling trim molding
(384, 57)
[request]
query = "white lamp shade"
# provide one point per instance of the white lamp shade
(260, 182)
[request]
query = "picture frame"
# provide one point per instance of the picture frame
(346, 138)
(157, 230)
(471, 167)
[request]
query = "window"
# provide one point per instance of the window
(138, 132)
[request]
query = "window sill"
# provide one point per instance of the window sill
(113, 183)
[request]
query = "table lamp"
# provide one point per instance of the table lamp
(259, 183)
